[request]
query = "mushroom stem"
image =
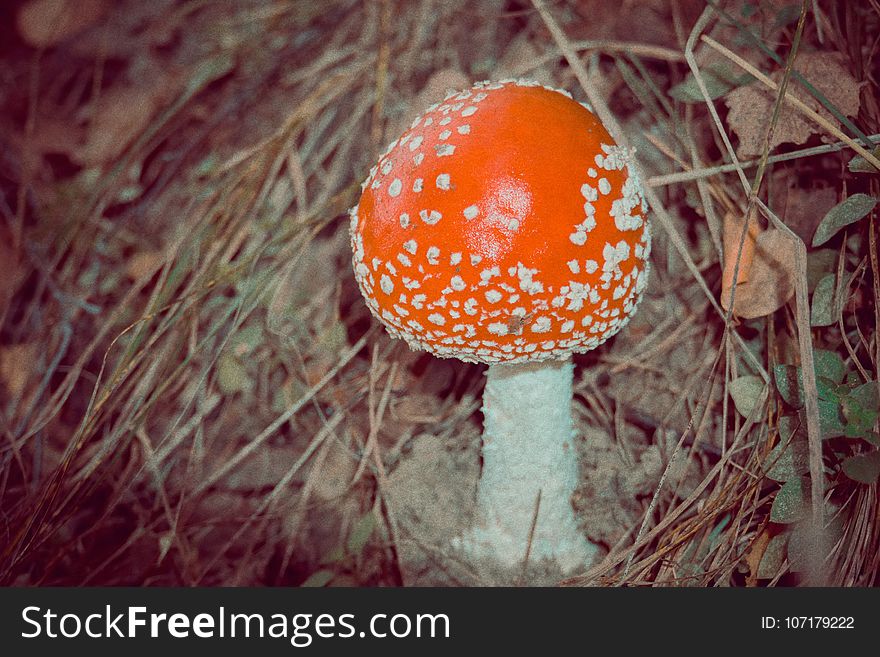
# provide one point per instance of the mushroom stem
(529, 461)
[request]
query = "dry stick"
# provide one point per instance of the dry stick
(708, 172)
(875, 270)
(796, 102)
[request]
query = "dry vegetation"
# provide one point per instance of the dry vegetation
(193, 392)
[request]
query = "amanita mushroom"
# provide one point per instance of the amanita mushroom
(505, 227)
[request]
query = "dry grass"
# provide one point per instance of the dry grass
(192, 391)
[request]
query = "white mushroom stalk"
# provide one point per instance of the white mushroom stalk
(506, 228)
(530, 470)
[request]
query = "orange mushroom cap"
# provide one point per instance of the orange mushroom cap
(504, 226)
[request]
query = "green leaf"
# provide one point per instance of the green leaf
(719, 79)
(831, 423)
(829, 364)
(822, 312)
(746, 392)
(791, 457)
(849, 211)
(861, 409)
(773, 558)
(787, 15)
(788, 383)
(860, 165)
(361, 532)
(863, 468)
(790, 503)
(318, 579)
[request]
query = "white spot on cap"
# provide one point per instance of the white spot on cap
(589, 192)
(395, 187)
(444, 150)
(541, 325)
(498, 328)
(404, 220)
(470, 212)
(386, 167)
(418, 301)
(446, 134)
(386, 284)
(417, 159)
(437, 318)
(476, 259)
(591, 266)
(432, 255)
(403, 260)
(455, 258)
(579, 238)
(574, 266)
(470, 306)
(464, 129)
(592, 173)
(604, 186)
(415, 143)
(445, 120)
(411, 246)
(431, 217)
(417, 184)
(614, 255)
(468, 111)
(492, 296)
(443, 181)
(457, 283)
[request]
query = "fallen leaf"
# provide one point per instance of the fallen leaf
(43, 23)
(121, 114)
(746, 392)
(17, 366)
(755, 555)
(751, 106)
(144, 264)
(765, 278)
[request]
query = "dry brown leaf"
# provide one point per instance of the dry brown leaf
(751, 106)
(43, 23)
(144, 264)
(121, 114)
(16, 366)
(754, 556)
(765, 280)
